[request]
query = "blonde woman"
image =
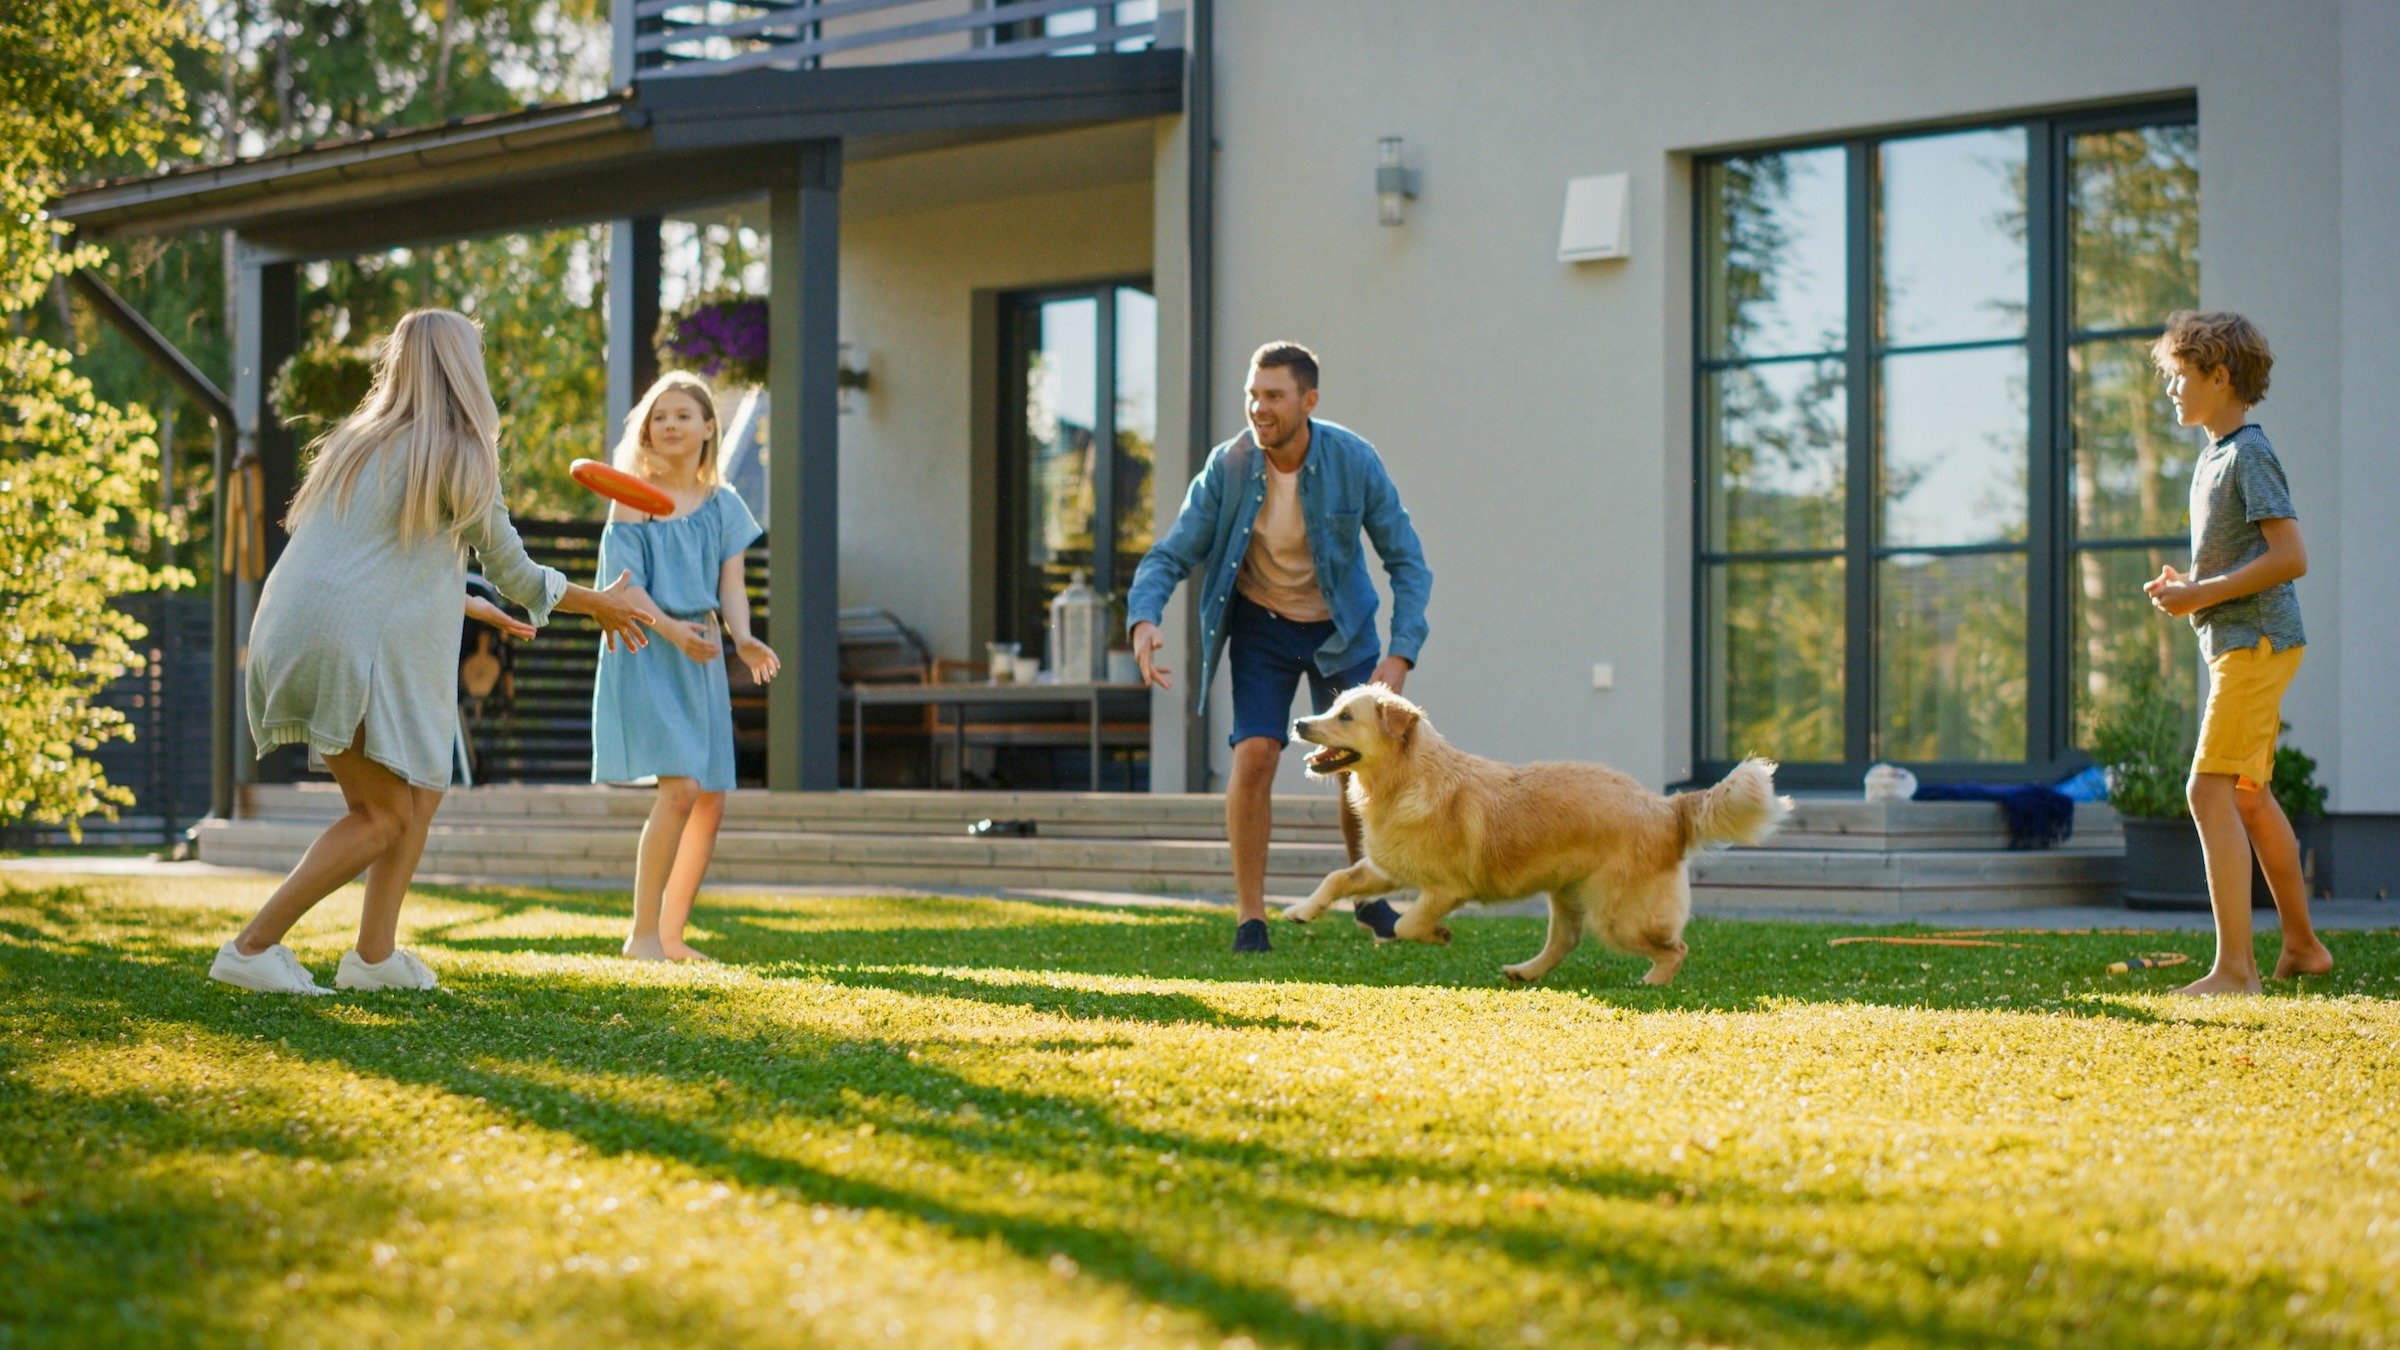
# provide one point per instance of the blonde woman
(354, 649)
(657, 714)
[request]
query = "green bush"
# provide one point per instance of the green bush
(2143, 741)
(86, 88)
(321, 384)
(2295, 782)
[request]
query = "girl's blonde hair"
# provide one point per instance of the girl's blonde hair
(431, 402)
(633, 446)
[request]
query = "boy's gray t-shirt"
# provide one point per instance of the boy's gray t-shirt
(2237, 483)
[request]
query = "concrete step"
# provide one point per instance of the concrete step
(1816, 825)
(1737, 880)
(1062, 814)
(812, 858)
(1820, 824)
(1902, 883)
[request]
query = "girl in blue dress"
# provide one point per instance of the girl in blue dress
(664, 712)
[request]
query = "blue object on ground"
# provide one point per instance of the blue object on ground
(2089, 786)
(2038, 816)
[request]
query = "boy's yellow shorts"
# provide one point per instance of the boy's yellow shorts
(2245, 711)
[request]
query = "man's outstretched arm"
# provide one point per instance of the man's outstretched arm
(1395, 538)
(1167, 563)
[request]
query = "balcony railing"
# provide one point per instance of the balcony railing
(658, 39)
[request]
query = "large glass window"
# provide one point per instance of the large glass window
(1081, 367)
(1932, 455)
(2133, 256)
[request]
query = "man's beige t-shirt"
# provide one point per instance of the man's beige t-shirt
(1277, 572)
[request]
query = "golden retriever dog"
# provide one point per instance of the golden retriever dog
(1609, 852)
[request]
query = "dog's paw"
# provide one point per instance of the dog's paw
(1438, 935)
(1298, 914)
(1518, 978)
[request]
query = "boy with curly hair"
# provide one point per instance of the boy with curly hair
(2246, 553)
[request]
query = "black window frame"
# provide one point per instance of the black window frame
(2050, 544)
(1009, 576)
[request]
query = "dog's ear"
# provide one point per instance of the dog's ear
(1398, 717)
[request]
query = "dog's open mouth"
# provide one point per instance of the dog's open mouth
(1331, 758)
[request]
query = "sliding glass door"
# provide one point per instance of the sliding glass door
(1080, 425)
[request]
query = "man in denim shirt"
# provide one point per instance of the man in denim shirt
(1272, 527)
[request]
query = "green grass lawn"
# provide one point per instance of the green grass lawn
(966, 1122)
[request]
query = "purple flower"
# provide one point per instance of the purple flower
(719, 336)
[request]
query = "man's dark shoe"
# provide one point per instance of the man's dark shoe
(1377, 917)
(1251, 936)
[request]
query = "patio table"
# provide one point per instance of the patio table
(962, 697)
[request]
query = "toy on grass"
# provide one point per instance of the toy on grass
(621, 487)
(2147, 961)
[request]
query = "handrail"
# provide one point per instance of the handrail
(1098, 39)
(791, 33)
(795, 17)
(202, 390)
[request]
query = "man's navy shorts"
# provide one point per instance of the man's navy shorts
(1269, 655)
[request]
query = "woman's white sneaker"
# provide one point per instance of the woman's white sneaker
(400, 970)
(273, 971)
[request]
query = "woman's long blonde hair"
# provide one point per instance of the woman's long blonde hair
(431, 403)
(633, 446)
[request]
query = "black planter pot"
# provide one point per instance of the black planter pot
(2164, 868)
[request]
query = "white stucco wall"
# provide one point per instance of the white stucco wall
(1535, 415)
(2364, 605)
(908, 284)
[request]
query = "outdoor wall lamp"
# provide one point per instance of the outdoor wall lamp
(1395, 185)
(850, 374)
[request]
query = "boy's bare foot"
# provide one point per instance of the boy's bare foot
(679, 950)
(645, 948)
(2215, 984)
(2312, 959)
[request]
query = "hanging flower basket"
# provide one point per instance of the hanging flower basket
(721, 338)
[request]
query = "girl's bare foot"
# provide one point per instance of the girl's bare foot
(2311, 959)
(2215, 983)
(645, 948)
(679, 950)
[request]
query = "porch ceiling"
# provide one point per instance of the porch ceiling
(661, 146)
(990, 169)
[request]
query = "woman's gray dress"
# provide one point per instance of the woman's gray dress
(354, 630)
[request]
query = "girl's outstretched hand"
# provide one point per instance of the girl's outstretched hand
(759, 657)
(696, 640)
(484, 611)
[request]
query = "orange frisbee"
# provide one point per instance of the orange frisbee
(619, 486)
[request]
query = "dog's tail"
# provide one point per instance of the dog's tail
(1741, 809)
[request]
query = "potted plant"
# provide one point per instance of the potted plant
(2144, 744)
(718, 337)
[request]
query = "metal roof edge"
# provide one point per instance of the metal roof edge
(472, 137)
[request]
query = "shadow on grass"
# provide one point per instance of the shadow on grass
(1100, 1005)
(545, 1051)
(1736, 965)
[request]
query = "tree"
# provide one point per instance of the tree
(85, 85)
(264, 76)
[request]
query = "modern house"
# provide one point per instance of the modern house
(1761, 377)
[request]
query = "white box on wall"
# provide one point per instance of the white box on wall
(1598, 221)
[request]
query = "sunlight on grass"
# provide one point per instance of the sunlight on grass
(959, 1121)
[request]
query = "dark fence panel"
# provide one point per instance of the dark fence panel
(543, 733)
(166, 763)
